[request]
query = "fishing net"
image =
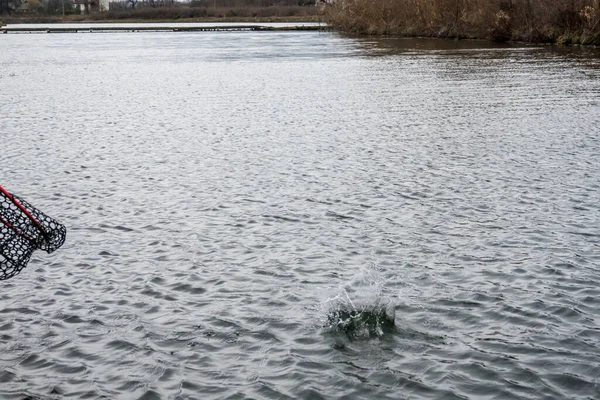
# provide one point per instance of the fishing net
(24, 229)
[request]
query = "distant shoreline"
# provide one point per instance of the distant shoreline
(174, 13)
(81, 19)
(159, 27)
(541, 25)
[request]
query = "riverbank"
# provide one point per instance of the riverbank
(159, 27)
(537, 21)
(182, 13)
(75, 19)
(532, 21)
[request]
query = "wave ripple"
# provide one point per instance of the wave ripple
(300, 215)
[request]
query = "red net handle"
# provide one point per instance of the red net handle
(24, 229)
(25, 211)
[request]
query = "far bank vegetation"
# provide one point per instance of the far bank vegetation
(20, 11)
(562, 21)
(215, 9)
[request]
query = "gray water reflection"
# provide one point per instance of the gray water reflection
(226, 193)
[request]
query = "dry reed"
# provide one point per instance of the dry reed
(563, 21)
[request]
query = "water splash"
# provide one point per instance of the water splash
(359, 308)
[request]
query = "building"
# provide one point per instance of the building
(89, 6)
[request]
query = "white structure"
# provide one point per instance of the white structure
(87, 6)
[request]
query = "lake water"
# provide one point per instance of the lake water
(302, 215)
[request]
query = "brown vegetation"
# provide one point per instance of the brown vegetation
(169, 10)
(206, 13)
(562, 21)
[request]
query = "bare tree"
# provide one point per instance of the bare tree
(4, 7)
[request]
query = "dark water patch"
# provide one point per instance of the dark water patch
(35, 362)
(591, 333)
(338, 216)
(19, 310)
(78, 354)
(363, 322)
(187, 288)
(117, 227)
(7, 376)
(150, 395)
(59, 344)
(7, 326)
(567, 313)
(122, 345)
(462, 304)
(281, 218)
(89, 394)
(70, 369)
(569, 383)
(310, 393)
(268, 391)
(73, 319)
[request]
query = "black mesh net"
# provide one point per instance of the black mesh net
(24, 229)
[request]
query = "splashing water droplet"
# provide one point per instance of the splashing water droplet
(359, 308)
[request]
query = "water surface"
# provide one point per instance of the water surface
(227, 194)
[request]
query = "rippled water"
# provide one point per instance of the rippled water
(242, 206)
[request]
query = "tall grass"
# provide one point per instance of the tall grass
(564, 21)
